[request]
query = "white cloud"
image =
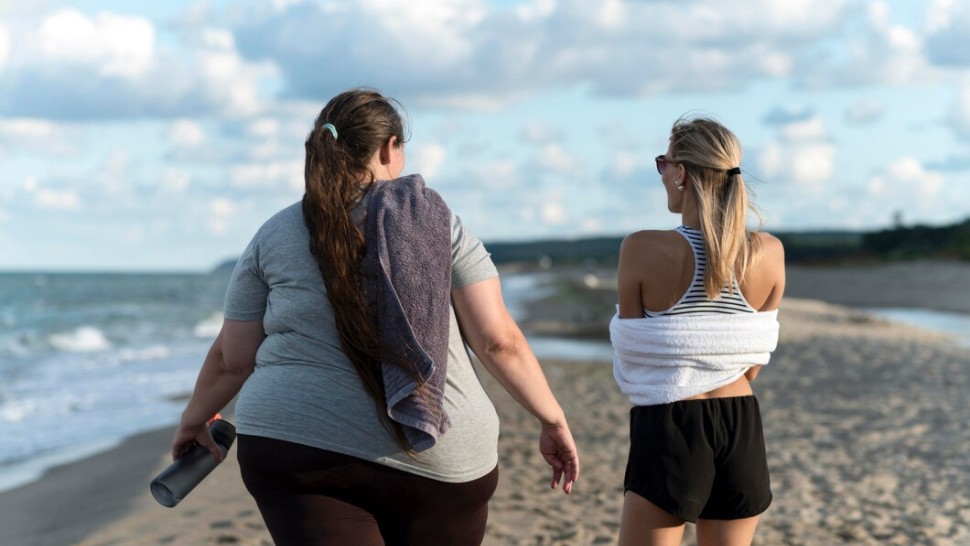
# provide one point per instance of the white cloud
(536, 132)
(113, 45)
(802, 155)
(115, 176)
(460, 53)
(428, 160)
(868, 49)
(554, 158)
(268, 175)
(864, 110)
(947, 25)
(263, 128)
(69, 65)
(39, 135)
(807, 129)
(185, 133)
(63, 199)
(553, 211)
(906, 185)
(220, 211)
(626, 163)
(960, 114)
(175, 181)
(4, 45)
(221, 67)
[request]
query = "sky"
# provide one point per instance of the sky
(159, 136)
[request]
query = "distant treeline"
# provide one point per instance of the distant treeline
(898, 243)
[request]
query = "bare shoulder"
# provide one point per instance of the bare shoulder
(771, 248)
(648, 244)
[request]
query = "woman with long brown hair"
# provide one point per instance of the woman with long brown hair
(360, 417)
(697, 318)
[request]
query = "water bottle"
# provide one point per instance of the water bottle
(176, 481)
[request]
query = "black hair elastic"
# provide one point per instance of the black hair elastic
(734, 170)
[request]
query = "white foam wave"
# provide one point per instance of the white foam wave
(155, 352)
(210, 327)
(84, 339)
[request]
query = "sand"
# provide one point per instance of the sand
(867, 424)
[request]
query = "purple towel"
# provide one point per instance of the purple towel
(407, 267)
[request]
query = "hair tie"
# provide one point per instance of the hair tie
(734, 170)
(331, 128)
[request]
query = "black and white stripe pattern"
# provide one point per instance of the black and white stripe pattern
(694, 301)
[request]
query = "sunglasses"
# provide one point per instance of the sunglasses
(661, 163)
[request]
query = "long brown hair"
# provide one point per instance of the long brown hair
(349, 130)
(709, 152)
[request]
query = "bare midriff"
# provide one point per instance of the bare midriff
(740, 387)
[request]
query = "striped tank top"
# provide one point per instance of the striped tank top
(695, 301)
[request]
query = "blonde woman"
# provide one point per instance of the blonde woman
(697, 318)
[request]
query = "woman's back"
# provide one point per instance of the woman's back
(663, 266)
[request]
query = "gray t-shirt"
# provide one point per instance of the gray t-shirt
(304, 388)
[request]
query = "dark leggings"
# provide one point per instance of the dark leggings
(313, 497)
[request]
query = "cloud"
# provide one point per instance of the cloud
(801, 155)
(866, 49)
(864, 111)
(186, 137)
(40, 136)
(428, 160)
(948, 25)
(273, 176)
(554, 158)
(72, 66)
(114, 45)
(780, 115)
(906, 185)
(959, 118)
(220, 210)
(175, 181)
(470, 54)
(57, 199)
(537, 132)
(4, 46)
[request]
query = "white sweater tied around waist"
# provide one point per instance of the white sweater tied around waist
(664, 359)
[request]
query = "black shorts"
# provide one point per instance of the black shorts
(700, 458)
(313, 497)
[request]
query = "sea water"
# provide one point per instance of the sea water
(87, 360)
(954, 324)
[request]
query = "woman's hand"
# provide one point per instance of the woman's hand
(559, 450)
(189, 434)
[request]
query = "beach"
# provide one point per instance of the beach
(867, 424)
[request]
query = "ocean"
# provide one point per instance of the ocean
(87, 360)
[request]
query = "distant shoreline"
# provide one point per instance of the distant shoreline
(581, 311)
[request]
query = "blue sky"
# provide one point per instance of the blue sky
(160, 135)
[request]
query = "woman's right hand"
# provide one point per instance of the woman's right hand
(559, 450)
(188, 435)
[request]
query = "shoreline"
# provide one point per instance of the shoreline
(74, 500)
(864, 446)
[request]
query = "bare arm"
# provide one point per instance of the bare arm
(629, 292)
(229, 363)
(499, 343)
(774, 264)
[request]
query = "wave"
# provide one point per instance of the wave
(210, 327)
(84, 339)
